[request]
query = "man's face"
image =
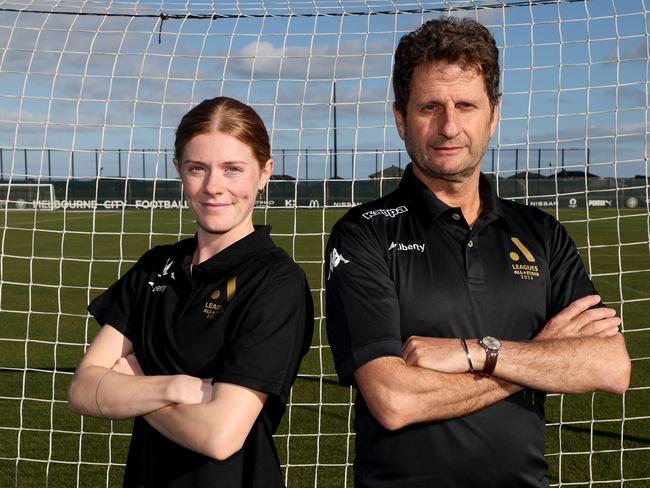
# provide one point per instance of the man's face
(448, 121)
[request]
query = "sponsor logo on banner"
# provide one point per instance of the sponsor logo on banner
(385, 212)
(103, 205)
(335, 260)
(523, 262)
(600, 203)
(406, 247)
(542, 203)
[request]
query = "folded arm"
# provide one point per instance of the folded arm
(212, 420)
(217, 428)
(575, 365)
(579, 350)
(102, 387)
(398, 394)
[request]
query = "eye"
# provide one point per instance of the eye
(234, 169)
(194, 168)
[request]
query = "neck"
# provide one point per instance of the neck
(211, 243)
(462, 193)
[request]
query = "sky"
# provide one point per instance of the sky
(574, 77)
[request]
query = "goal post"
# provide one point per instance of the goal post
(91, 93)
(25, 196)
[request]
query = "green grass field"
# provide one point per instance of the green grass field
(53, 263)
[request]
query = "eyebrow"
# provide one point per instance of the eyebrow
(198, 161)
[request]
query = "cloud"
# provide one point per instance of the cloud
(490, 17)
(632, 97)
(263, 60)
(635, 49)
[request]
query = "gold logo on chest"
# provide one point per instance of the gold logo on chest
(525, 271)
(218, 300)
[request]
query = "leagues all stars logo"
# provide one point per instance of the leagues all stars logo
(525, 268)
(218, 299)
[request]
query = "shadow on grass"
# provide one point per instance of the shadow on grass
(603, 433)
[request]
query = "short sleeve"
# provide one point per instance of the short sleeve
(115, 304)
(569, 278)
(273, 333)
(363, 318)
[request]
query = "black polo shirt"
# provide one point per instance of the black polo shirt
(244, 316)
(407, 264)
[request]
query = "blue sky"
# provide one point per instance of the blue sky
(575, 76)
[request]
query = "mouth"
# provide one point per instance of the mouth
(447, 149)
(215, 205)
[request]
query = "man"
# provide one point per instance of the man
(452, 310)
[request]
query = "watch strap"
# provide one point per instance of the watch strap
(490, 361)
(491, 353)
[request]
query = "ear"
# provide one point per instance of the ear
(177, 165)
(265, 176)
(400, 121)
(495, 118)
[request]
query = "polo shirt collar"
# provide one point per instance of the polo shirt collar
(489, 197)
(234, 255)
(433, 207)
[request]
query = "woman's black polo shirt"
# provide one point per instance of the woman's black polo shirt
(244, 316)
(407, 264)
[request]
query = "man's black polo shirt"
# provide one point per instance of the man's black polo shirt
(407, 264)
(244, 316)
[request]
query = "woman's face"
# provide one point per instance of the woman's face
(221, 178)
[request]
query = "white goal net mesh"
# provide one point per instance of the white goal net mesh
(91, 93)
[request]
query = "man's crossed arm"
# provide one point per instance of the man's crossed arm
(578, 350)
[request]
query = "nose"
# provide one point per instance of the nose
(213, 183)
(449, 123)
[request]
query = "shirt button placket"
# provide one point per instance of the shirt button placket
(475, 271)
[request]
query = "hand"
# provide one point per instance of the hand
(190, 390)
(443, 355)
(580, 320)
(128, 365)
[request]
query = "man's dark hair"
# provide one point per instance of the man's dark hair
(457, 41)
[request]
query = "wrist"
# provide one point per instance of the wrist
(477, 354)
(470, 365)
(492, 346)
(177, 387)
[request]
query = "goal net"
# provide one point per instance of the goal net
(91, 93)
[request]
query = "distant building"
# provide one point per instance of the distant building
(575, 174)
(283, 177)
(522, 175)
(390, 172)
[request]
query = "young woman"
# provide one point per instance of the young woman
(201, 340)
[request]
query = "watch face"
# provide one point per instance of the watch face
(491, 343)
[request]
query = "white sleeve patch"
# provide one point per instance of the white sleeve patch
(335, 260)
